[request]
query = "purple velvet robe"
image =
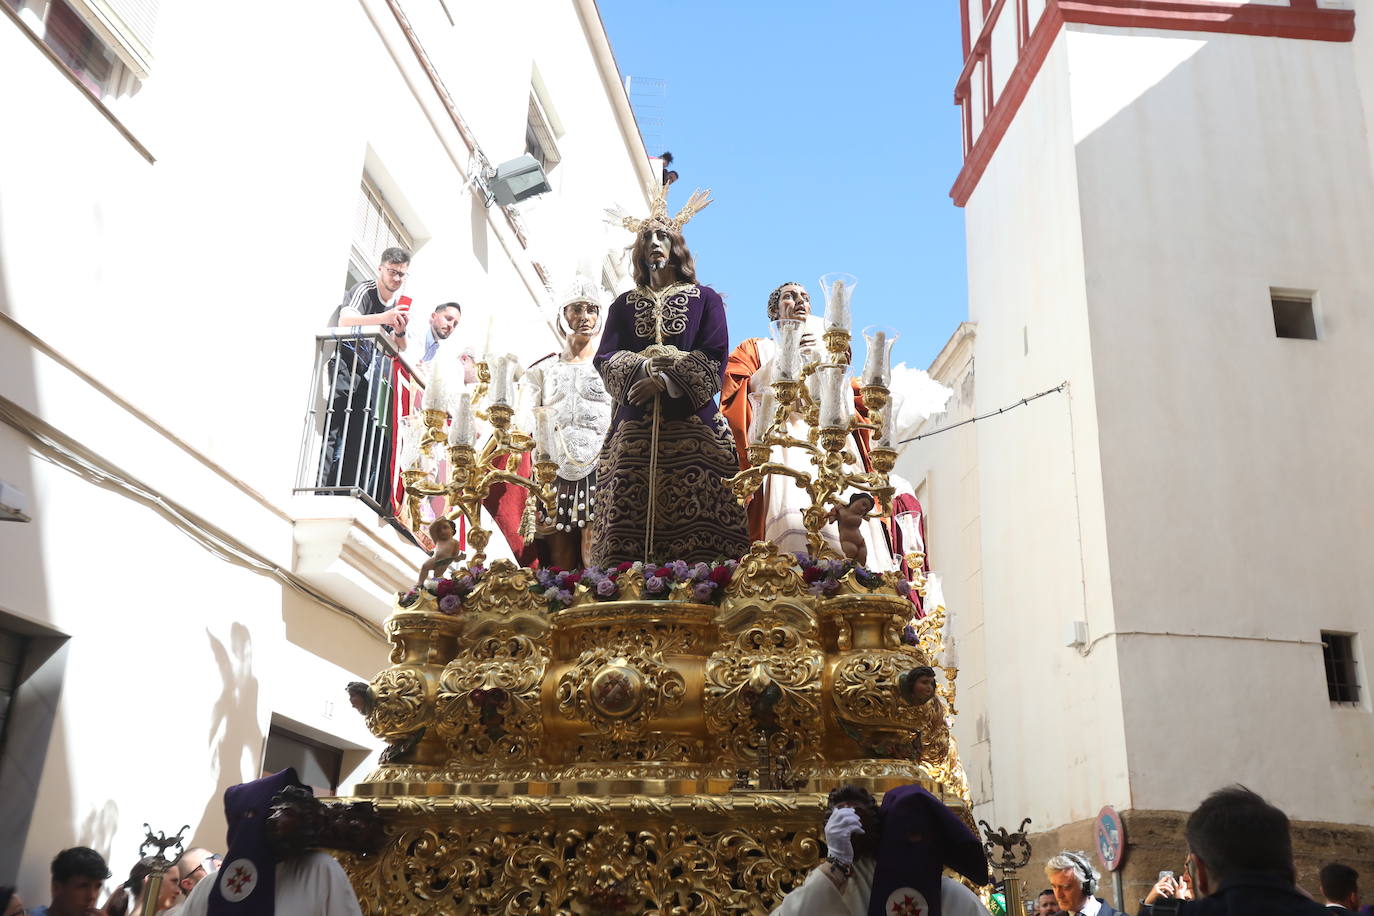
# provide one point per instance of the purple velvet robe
(692, 514)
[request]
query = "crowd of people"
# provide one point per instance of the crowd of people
(274, 863)
(896, 858)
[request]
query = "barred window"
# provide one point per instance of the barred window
(1342, 682)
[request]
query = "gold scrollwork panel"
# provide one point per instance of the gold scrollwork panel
(487, 708)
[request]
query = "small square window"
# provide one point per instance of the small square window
(1338, 653)
(1293, 316)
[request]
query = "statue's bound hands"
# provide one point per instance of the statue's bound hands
(839, 831)
(643, 391)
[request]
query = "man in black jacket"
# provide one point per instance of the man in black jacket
(1340, 887)
(1241, 859)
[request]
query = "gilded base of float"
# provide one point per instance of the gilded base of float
(604, 854)
(623, 756)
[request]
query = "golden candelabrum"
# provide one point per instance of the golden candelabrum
(828, 435)
(472, 473)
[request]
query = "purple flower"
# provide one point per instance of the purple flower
(703, 591)
(653, 584)
(450, 603)
(701, 572)
(904, 588)
(679, 568)
(466, 583)
(605, 588)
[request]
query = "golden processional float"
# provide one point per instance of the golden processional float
(648, 739)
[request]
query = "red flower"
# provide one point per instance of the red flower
(664, 572)
(445, 587)
(573, 579)
(720, 575)
(812, 574)
(554, 570)
(623, 567)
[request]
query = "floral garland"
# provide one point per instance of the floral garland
(822, 575)
(704, 582)
(707, 581)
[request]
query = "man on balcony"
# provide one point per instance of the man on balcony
(357, 442)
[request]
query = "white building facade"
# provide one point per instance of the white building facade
(184, 196)
(1161, 571)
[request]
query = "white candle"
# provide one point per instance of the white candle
(787, 333)
(543, 433)
(883, 437)
(833, 392)
(464, 428)
(764, 411)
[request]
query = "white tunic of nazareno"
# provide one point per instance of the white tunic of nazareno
(820, 897)
(313, 884)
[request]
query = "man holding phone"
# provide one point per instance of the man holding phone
(356, 447)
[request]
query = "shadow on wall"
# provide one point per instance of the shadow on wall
(235, 737)
(33, 747)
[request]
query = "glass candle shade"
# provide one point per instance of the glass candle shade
(464, 428)
(765, 406)
(787, 334)
(878, 365)
(503, 370)
(838, 289)
(436, 388)
(834, 400)
(813, 381)
(909, 524)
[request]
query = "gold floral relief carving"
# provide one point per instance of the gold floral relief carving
(766, 574)
(619, 694)
(766, 682)
(487, 708)
(401, 706)
(655, 868)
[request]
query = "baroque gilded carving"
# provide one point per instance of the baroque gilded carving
(619, 694)
(487, 709)
(624, 856)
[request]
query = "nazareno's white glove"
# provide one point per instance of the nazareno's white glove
(843, 824)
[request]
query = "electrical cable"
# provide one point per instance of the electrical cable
(1001, 410)
(213, 539)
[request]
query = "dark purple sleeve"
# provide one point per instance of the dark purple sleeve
(616, 358)
(700, 371)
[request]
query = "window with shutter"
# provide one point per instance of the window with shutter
(376, 227)
(126, 26)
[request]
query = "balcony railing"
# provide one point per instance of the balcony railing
(361, 390)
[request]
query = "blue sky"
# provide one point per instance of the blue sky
(828, 134)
